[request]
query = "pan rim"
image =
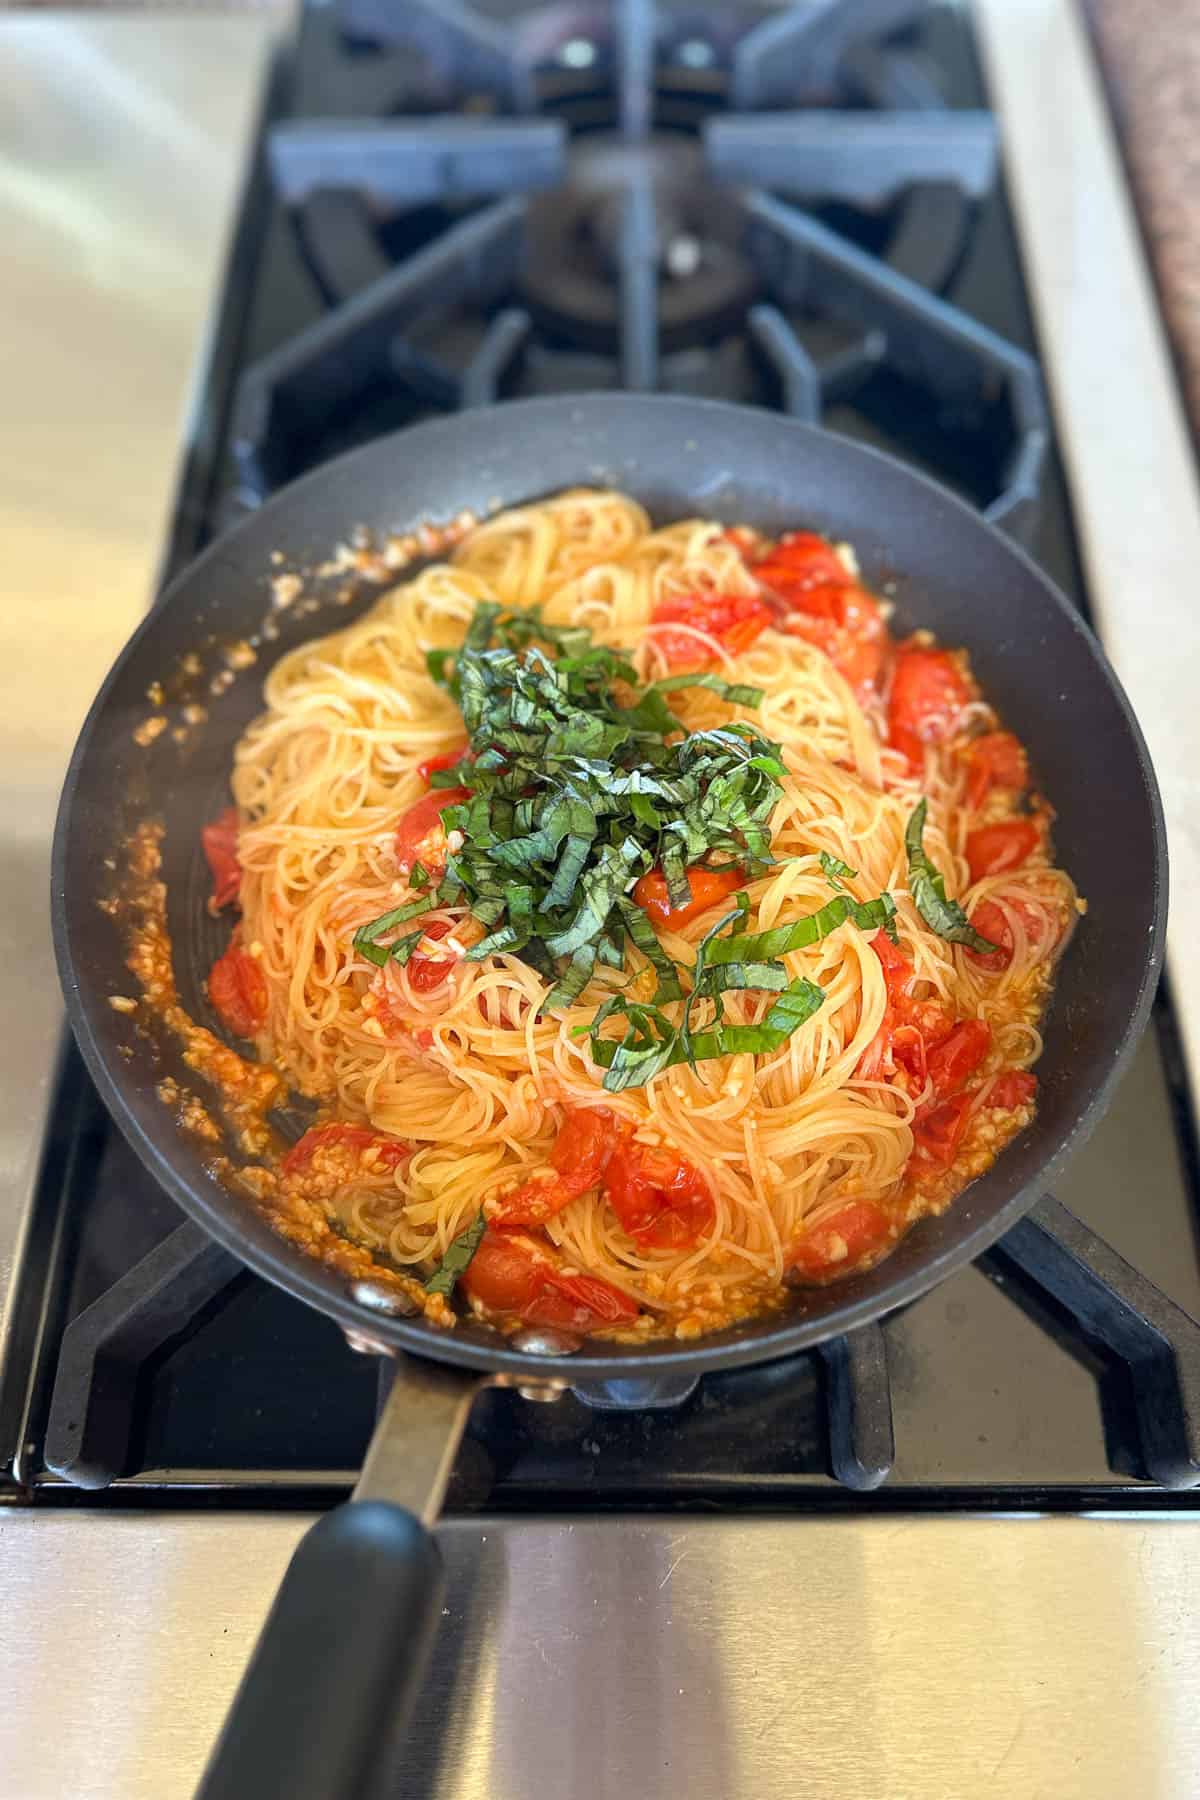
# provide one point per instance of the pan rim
(322, 1288)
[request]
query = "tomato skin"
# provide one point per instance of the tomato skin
(990, 922)
(938, 1135)
(846, 623)
(659, 1199)
(707, 887)
(958, 1056)
(841, 1242)
(1012, 1088)
(449, 759)
(427, 973)
(734, 620)
(421, 836)
(800, 560)
(578, 1303)
(237, 989)
(578, 1160)
(997, 759)
(503, 1275)
(929, 692)
(219, 842)
(352, 1137)
(995, 849)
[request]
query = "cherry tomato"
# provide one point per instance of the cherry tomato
(841, 1242)
(800, 560)
(990, 922)
(937, 1136)
(707, 887)
(339, 1135)
(237, 988)
(421, 836)
(449, 759)
(844, 622)
(929, 692)
(659, 1198)
(578, 1303)
(577, 1162)
(958, 1056)
(219, 841)
(997, 759)
(897, 969)
(426, 973)
(735, 620)
(1015, 1087)
(503, 1274)
(994, 849)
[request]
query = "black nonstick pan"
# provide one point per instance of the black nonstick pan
(319, 1709)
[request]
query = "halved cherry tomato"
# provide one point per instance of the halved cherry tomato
(994, 849)
(735, 620)
(937, 1136)
(503, 1274)
(958, 1056)
(840, 1242)
(1015, 1087)
(421, 836)
(929, 692)
(997, 759)
(897, 969)
(801, 559)
(990, 922)
(658, 1197)
(425, 973)
(844, 622)
(707, 887)
(578, 1303)
(219, 841)
(449, 759)
(578, 1160)
(237, 988)
(340, 1135)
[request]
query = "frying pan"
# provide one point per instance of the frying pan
(320, 1708)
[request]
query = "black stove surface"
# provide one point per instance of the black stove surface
(796, 208)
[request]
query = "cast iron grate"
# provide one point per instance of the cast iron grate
(715, 201)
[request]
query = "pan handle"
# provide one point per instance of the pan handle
(322, 1707)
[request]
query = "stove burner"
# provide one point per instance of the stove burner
(577, 238)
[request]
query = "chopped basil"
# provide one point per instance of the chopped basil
(928, 889)
(457, 1257)
(835, 871)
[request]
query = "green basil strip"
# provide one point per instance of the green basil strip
(768, 946)
(928, 889)
(835, 870)
(366, 937)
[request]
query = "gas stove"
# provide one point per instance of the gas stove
(800, 208)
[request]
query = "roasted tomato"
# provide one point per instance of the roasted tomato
(237, 988)
(990, 922)
(421, 836)
(504, 1274)
(734, 620)
(707, 886)
(578, 1303)
(1012, 1088)
(851, 1235)
(219, 840)
(509, 1275)
(910, 1029)
(994, 849)
(340, 1136)
(660, 1199)
(578, 1160)
(929, 692)
(846, 623)
(426, 973)
(799, 561)
(958, 1056)
(995, 760)
(449, 759)
(937, 1136)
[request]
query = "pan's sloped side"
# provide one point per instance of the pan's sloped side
(946, 570)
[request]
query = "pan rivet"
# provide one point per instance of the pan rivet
(546, 1343)
(377, 1298)
(365, 1345)
(542, 1391)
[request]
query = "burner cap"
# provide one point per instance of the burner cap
(572, 268)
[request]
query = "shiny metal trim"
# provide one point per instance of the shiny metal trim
(1122, 429)
(417, 1434)
(124, 144)
(913, 1658)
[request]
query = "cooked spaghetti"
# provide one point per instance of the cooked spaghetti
(628, 1006)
